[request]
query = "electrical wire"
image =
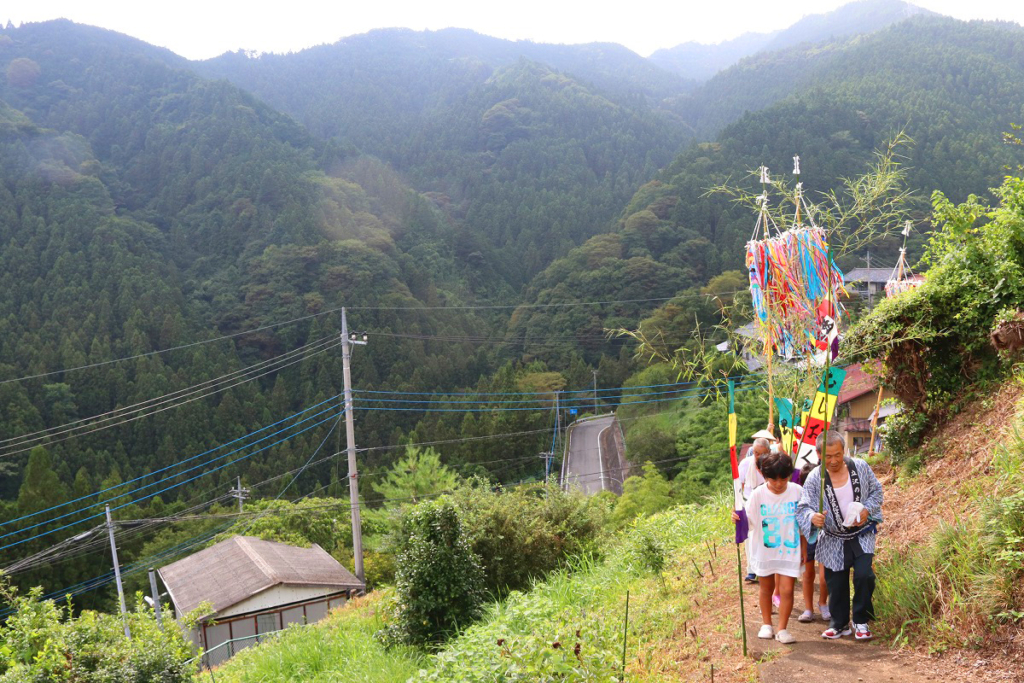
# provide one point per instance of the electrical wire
(271, 326)
(189, 398)
(156, 493)
(531, 393)
(171, 466)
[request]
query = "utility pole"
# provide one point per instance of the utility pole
(353, 478)
(156, 597)
(595, 391)
(239, 493)
(117, 574)
(547, 455)
(871, 292)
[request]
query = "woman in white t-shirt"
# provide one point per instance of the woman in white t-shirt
(775, 541)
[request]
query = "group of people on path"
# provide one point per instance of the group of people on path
(796, 520)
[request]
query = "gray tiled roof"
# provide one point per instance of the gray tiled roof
(868, 275)
(242, 566)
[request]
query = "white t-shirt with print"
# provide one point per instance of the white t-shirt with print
(774, 537)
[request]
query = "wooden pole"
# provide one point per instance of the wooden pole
(625, 630)
(874, 422)
(743, 616)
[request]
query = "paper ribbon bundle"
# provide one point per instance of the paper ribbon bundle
(791, 275)
(902, 278)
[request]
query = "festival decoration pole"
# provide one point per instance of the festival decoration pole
(770, 350)
(737, 488)
(825, 380)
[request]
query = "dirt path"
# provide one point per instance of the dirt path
(814, 659)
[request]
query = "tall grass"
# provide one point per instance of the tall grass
(571, 625)
(530, 636)
(967, 579)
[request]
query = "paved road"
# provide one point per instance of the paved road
(583, 464)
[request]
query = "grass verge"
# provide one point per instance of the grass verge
(340, 648)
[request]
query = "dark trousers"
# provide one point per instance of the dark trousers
(838, 584)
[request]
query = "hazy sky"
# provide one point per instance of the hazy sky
(205, 29)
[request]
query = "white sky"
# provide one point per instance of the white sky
(199, 30)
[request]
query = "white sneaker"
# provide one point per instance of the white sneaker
(766, 632)
(785, 637)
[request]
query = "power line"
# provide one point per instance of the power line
(175, 403)
(271, 326)
(178, 474)
(531, 393)
(173, 465)
(156, 493)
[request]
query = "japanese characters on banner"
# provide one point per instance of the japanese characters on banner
(823, 410)
(737, 485)
(785, 409)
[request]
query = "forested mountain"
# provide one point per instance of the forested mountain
(700, 62)
(953, 86)
(424, 180)
(143, 208)
(531, 148)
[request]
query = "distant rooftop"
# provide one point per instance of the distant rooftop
(881, 275)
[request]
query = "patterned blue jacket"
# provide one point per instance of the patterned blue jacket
(829, 550)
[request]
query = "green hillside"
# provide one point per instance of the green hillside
(144, 209)
(952, 86)
(531, 148)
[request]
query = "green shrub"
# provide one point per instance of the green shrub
(902, 434)
(379, 568)
(521, 535)
(42, 642)
(439, 582)
(645, 552)
(936, 337)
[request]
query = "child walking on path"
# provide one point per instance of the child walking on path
(807, 550)
(775, 541)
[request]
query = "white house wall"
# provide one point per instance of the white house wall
(274, 597)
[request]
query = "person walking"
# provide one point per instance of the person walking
(750, 476)
(775, 541)
(845, 533)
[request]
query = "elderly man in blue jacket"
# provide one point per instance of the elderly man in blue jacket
(845, 532)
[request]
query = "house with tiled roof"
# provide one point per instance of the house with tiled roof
(857, 405)
(254, 587)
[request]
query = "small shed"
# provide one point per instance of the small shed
(255, 587)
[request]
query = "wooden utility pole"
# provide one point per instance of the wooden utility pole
(347, 341)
